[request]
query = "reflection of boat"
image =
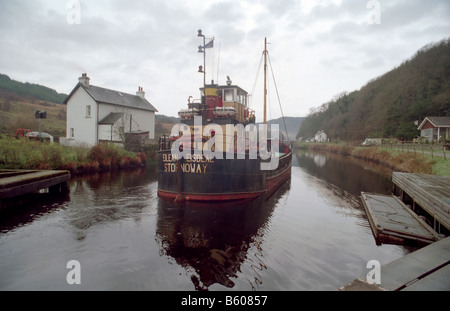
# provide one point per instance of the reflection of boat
(212, 242)
(217, 153)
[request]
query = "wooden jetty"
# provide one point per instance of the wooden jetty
(393, 222)
(429, 192)
(426, 269)
(14, 183)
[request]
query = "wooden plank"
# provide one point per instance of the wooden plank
(8, 173)
(31, 181)
(439, 279)
(393, 222)
(425, 269)
(431, 192)
(29, 177)
(417, 266)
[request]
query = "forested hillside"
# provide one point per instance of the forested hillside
(292, 124)
(388, 105)
(35, 90)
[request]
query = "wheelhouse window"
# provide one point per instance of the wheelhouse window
(229, 95)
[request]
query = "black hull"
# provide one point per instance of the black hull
(199, 179)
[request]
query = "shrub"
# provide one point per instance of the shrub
(130, 162)
(29, 154)
(89, 167)
(143, 157)
(72, 167)
(106, 156)
(151, 152)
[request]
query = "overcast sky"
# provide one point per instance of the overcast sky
(318, 48)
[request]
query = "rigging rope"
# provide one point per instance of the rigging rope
(279, 102)
(257, 74)
(218, 60)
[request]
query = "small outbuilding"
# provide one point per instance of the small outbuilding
(435, 128)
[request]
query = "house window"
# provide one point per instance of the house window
(72, 132)
(88, 111)
(428, 134)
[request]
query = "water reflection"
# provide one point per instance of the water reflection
(19, 212)
(319, 159)
(104, 198)
(92, 200)
(311, 235)
(345, 173)
(342, 179)
(212, 241)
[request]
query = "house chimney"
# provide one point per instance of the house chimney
(140, 92)
(84, 79)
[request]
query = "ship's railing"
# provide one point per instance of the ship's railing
(216, 112)
(190, 143)
(164, 143)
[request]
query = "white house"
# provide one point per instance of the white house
(96, 114)
(320, 137)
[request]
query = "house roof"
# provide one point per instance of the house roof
(111, 118)
(103, 95)
(436, 122)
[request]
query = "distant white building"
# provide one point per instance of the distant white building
(96, 114)
(320, 137)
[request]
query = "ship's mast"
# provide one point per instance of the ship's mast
(265, 78)
(201, 49)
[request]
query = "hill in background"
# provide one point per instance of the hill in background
(164, 124)
(292, 125)
(19, 101)
(389, 105)
(33, 90)
(17, 112)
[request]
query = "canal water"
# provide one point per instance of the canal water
(311, 235)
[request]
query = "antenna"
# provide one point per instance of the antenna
(218, 59)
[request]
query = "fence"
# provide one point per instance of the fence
(433, 149)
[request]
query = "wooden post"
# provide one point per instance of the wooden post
(59, 188)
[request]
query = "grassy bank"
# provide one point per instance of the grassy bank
(28, 154)
(397, 160)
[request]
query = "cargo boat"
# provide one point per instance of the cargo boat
(213, 153)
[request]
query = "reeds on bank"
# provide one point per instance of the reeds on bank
(30, 154)
(408, 162)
